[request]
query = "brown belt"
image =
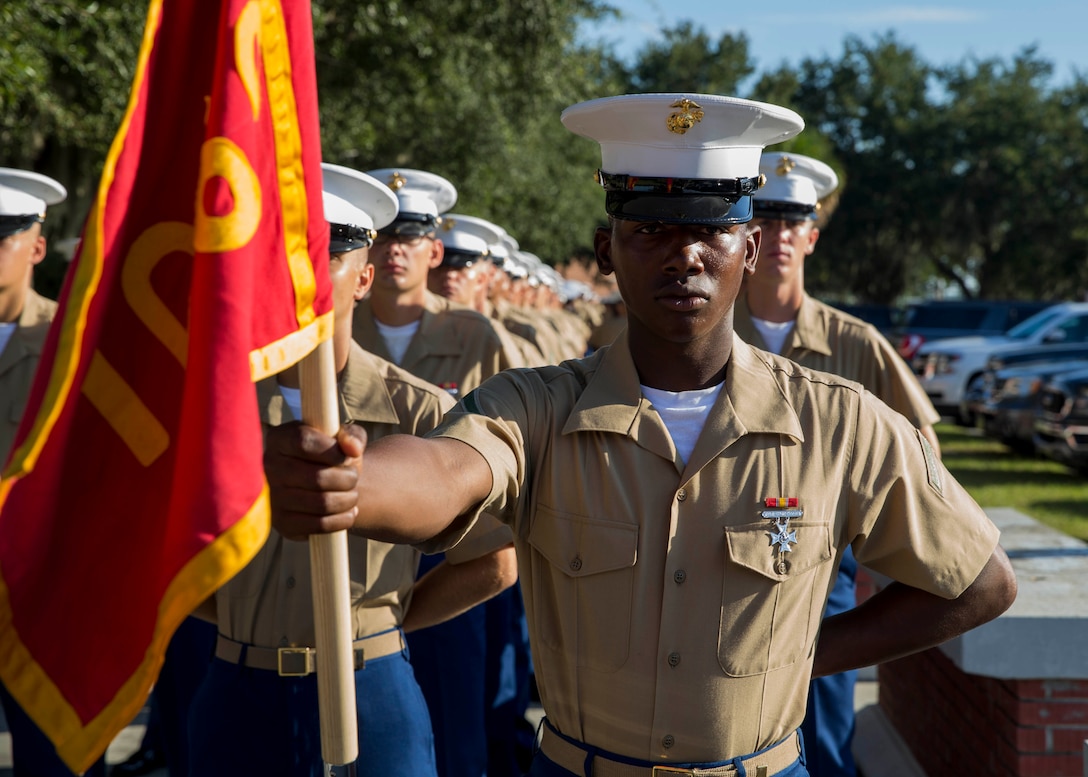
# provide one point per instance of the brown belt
(572, 757)
(302, 661)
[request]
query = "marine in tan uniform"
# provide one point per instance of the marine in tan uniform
(456, 348)
(256, 712)
(25, 317)
(775, 313)
(449, 345)
(614, 322)
(24, 314)
(570, 332)
(676, 552)
(816, 335)
(490, 293)
(463, 275)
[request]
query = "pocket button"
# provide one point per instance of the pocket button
(575, 563)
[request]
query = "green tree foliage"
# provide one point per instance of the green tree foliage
(1013, 157)
(974, 174)
(471, 90)
(686, 60)
(65, 71)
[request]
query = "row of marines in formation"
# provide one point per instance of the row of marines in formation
(601, 480)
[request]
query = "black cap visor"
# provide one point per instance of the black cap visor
(411, 225)
(11, 225)
(348, 237)
(679, 208)
(456, 259)
(775, 210)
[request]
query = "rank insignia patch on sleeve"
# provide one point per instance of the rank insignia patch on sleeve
(933, 468)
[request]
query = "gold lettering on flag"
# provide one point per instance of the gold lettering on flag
(221, 158)
(147, 250)
(124, 411)
(247, 31)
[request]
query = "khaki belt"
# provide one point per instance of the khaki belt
(572, 757)
(302, 661)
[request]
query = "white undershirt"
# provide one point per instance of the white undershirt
(397, 338)
(684, 414)
(293, 398)
(774, 333)
(6, 331)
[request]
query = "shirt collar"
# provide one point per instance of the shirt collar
(361, 388)
(751, 401)
(811, 329)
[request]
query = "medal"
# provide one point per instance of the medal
(781, 510)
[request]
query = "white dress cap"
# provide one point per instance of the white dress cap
(697, 136)
(24, 193)
(510, 244)
(462, 242)
(340, 211)
(490, 234)
(419, 192)
(794, 179)
(465, 242)
(369, 203)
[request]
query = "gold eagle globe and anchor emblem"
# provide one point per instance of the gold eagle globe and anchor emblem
(785, 165)
(397, 181)
(689, 114)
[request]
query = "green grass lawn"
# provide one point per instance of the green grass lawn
(996, 477)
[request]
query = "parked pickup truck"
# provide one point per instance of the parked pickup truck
(1061, 424)
(1005, 399)
(947, 367)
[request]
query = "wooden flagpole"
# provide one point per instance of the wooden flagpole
(329, 575)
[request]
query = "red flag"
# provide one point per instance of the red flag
(135, 487)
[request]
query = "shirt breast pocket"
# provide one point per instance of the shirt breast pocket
(583, 587)
(772, 602)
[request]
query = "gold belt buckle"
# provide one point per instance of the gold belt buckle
(665, 771)
(299, 661)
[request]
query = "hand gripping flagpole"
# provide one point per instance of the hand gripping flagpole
(332, 594)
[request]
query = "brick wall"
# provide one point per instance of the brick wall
(959, 724)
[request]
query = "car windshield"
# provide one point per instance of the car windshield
(1030, 326)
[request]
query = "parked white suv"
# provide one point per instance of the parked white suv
(946, 367)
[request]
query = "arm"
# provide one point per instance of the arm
(901, 620)
(321, 484)
(451, 589)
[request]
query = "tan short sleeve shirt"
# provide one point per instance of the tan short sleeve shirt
(270, 602)
(455, 348)
(665, 623)
(829, 340)
(18, 362)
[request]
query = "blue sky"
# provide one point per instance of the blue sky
(791, 30)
